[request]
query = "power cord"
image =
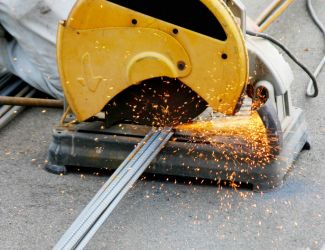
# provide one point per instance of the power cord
(286, 50)
(322, 29)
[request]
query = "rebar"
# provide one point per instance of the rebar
(30, 102)
(6, 108)
(13, 112)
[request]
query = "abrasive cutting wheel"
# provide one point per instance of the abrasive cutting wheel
(151, 62)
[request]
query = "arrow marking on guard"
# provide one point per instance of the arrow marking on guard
(89, 78)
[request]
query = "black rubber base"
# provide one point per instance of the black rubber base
(56, 169)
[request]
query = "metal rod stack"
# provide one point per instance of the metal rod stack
(108, 197)
(9, 87)
(15, 95)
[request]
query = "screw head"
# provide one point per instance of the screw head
(224, 56)
(181, 65)
(175, 31)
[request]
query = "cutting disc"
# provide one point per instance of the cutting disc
(156, 102)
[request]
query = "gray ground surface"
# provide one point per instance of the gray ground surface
(37, 207)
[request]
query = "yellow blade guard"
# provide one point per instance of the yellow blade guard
(104, 48)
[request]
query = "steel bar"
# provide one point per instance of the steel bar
(122, 171)
(268, 11)
(272, 13)
(116, 201)
(113, 191)
(5, 75)
(13, 112)
(4, 79)
(77, 223)
(126, 170)
(6, 108)
(10, 88)
(31, 102)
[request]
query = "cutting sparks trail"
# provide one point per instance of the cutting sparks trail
(104, 202)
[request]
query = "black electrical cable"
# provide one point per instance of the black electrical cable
(286, 50)
(320, 25)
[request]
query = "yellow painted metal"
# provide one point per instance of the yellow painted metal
(101, 53)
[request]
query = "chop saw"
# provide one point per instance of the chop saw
(209, 101)
(127, 66)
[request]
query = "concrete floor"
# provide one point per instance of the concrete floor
(37, 207)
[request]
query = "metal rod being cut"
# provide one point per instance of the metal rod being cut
(77, 223)
(104, 202)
